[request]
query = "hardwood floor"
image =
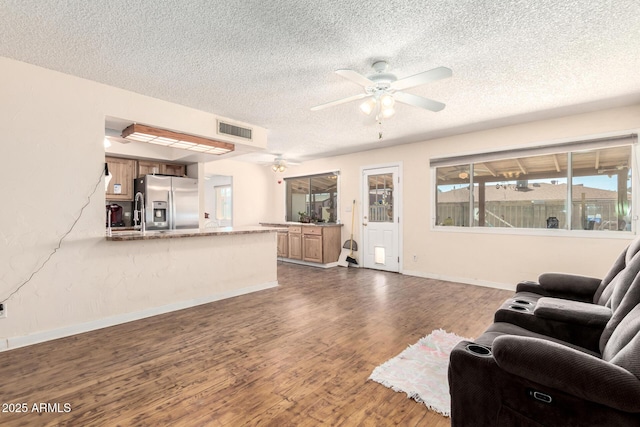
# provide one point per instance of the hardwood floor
(296, 355)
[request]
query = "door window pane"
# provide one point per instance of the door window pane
(381, 198)
(601, 189)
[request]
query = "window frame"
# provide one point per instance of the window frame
(556, 147)
(309, 176)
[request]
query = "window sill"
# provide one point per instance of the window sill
(542, 232)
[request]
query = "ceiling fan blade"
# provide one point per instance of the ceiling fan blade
(422, 78)
(340, 101)
(355, 77)
(418, 101)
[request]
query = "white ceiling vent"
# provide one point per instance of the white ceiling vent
(233, 130)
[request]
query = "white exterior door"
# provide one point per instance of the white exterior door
(381, 218)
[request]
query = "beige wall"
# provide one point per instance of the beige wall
(52, 130)
(474, 256)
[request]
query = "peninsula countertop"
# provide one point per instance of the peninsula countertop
(304, 224)
(120, 236)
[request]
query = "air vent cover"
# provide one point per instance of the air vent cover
(233, 130)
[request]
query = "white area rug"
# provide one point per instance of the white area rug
(421, 371)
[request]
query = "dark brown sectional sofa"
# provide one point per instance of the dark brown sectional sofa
(564, 351)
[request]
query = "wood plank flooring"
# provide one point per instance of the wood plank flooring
(296, 355)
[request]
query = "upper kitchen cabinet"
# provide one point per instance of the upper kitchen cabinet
(152, 167)
(173, 169)
(122, 175)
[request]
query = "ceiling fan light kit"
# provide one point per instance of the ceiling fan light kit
(368, 106)
(280, 164)
(383, 89)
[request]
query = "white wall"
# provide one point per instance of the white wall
(253, 190)
(52, 130)
(468, 255)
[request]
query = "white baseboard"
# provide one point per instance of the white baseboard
(465, 280)
(310, 264)
(16, 342)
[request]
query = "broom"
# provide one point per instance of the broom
(350, 258)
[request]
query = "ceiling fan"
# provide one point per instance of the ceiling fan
(280, 164)
(383, 89)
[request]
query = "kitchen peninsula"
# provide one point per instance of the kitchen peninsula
(127, 235)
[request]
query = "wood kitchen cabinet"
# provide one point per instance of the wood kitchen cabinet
(152, 167)
(295, 242)
(283, 244)
(122, 174)
(174, 169)
(312, 244)
(318, 244)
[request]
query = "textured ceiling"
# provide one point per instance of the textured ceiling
(267, 63)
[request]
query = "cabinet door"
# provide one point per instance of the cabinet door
(283, 244)
(295, 245)
(121, 184)
(312, 247)
(146, 167)
(173, 169)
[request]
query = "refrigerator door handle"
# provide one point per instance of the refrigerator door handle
(172, 211)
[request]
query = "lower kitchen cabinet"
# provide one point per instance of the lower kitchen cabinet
(312, 248)
(283, 244)
(311, 243)
(295, 243)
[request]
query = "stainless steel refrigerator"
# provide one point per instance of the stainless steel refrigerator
(170, 203)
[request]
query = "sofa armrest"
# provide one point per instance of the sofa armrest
(533, 287)
(573, 312)
(568, 370)
(563, 283)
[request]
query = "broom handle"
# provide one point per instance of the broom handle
(353, 214)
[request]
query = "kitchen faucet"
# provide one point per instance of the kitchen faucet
(141, 211)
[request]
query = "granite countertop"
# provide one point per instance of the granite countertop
(305, 224)
(120, 236)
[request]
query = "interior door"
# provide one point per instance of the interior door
(381, 218)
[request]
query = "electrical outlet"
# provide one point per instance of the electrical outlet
(415, 258)
(3, 310)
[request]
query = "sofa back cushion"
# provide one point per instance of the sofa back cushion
(623, 347)
(606, 288)
(624, 300)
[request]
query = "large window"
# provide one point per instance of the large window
(586, 187)
(312, 198)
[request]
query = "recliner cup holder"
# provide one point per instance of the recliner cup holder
(518, 308)
(479, 350)
(521, 301)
